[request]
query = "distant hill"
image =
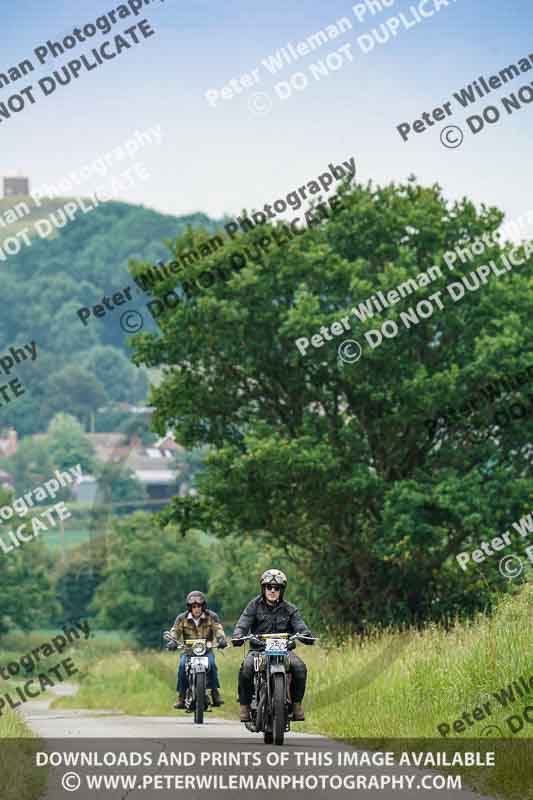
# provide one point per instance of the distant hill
(19, 205)
(28, 213)
(46, 283)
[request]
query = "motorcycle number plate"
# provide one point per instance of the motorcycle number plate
(276, 646)
(199, 661)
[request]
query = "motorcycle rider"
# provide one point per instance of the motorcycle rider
(198, 622)
(270, 613)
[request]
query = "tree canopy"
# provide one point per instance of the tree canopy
(28, 599)
(335, 459)
(147, 576)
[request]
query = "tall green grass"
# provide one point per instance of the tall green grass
(20, 779)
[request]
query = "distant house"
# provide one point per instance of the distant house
(6, 480)
(16, 186)
(110, 447)
(168, 446)
(9, 445)
(85, 489)
(153, 466)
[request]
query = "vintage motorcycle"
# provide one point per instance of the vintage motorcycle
(196, 669)
(271, 704)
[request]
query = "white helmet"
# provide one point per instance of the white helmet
(274, 576)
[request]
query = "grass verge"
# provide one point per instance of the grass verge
(20, 779)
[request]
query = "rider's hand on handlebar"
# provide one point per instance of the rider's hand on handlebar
(306, 639)
(171, 645)
(238, 642)
(209, 645)
(222, 644)
(257, 642)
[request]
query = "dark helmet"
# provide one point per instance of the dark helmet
(273, 576)
(196, 597)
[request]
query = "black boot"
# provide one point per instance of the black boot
(298, 712)
(217, 699)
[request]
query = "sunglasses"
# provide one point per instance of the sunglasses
(273, 588)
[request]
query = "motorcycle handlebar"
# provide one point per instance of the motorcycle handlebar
(240, 640)
(185, 646)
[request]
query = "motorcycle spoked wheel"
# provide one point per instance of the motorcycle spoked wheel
(278, 708)
(200, 698)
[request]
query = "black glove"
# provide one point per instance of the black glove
(291, 645)
(237, 642)
(258, 643)
(172, 646)
(222, 644)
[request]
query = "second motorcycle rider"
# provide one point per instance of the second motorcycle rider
(198, 622)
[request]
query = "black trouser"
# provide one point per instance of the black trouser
(299, 677)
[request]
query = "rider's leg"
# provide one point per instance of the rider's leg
(212, 676)
(181, 687)
(246, 673)
(182, 678)
(213, 682)
(299, 679)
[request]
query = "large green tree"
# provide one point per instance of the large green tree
(334, 458)
(118, 483)
(27, 596)
(120, 379)
(238, 564)
(78, 579)
(147, 577)
(68, 445)
(31, 465)
(78, 392)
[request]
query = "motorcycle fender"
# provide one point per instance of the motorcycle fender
(277, 668)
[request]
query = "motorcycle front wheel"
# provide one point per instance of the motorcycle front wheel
(278, 708)
(200, 698)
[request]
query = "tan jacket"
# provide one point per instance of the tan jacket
(209, 627)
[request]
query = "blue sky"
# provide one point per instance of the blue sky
(222, 159)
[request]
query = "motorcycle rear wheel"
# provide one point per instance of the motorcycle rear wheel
(200, 698)
(278, 708)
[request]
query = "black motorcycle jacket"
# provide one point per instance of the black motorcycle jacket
(258, 617)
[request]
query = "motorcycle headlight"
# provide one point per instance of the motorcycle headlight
(198, 648)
